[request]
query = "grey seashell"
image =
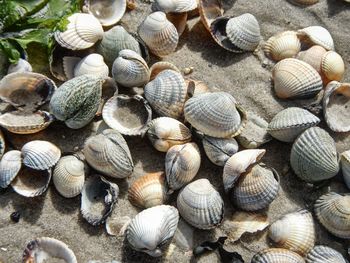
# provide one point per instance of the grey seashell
(345, 165)
(314, 156)
(22, 65)
(174, 6)
(219, 150)
(277, 255)
(92, 64)
(324, 254)
(317, 35)
(152, 228)
(10, 165)
(289, 123)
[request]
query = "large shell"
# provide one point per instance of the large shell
(317, 35)
(152, 228)
(313, 56)
(294, 78)
(289, 123)
(201, 205)
(174, 6)
(83, 31)
(294, 231)
(92, 64)
(345, 165)
(109, 154)
(333, 212)
(324, 254)
(22, 65)
(218, 150)
(277, 255)
(10, 165)
(182, 163)
(332, 66)
(314, 156)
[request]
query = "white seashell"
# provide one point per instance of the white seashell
(21, 66)
(317, 35)
(92, 64)
(10, 165)
(174, 6)
(283, 45)
(324, 254)
(345, 165)
(219, 150)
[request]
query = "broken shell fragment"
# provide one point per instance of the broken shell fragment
(324, 254)
(345, 165)
(277, 255)
(283, 45)
(22, 65)
(316, 35)
(313, 56)
(332, 66)
(92, 64)
(10, 165)
(219, 150)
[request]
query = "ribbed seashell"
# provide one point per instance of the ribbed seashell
(290, 122)
(83, 31)
(10, 165)
(40, 155)
(313, 56)
(174, 6)
(130, 69)
(333, 212)
(336, 102)
(256, 189)
(152, 228)
(2, 144)
(77, 100)
(98, 198)
(109, 154)
(314, 156)
(277, 255)
(92, 64)
(304, 2)
(44, 249)
(283, 45)
(182, 163)
(159, 34)
(22, 65)
(332, 66)
(345, 165)
(69, 176)
(159, 66)
(166, 132)
(179, 20)
(324, 254)
(201, 205)
(294, 231)
(215, 114)
(317, 35)
(218, 150)
(148, 190)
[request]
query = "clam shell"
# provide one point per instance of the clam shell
(332, 66)
(92, 64)
(333, 212)
(277, 255)
(152, 228)
(290, 122)
(174, 6)
(159, 66)
(317, 35)
(219, 150)
(283, 45)
(324, 254)
(10, 165)
(304, 2)
(22, 65)
(314, 156)
(345, 165)
(148, 190)
(313, 56)
(209, 10)
(201, 205)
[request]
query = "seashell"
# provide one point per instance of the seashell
(167, 94)
(159, 66)
(174, 6)
(332, 210)
(22, 65)
(256, 189)
(201, 205)
(40, 155)
(10, 165)
(77, 100)
(83, 31)
(218, 150)
(289, 123)
(295, 79)
(336, 102)
(2, 144)
(159, 34)
(184, 236)
(294, 231)
(179, 20)
(116, 226)
(44, 249)
(345, 165)
(209, 10)
(215, 114)
(304, 2)
(316, 35)
(148, 190)
(277, 255)
(196, 87)
(313, 56)
(109, 154)
(92, 64)
(130, 69)
(98, 198)
(182, 163)
(314, 156)
(332, 66)
(127, 115)
(152, 228)
(324, 254)
(283, 45)
(69, 176)
(166, 132)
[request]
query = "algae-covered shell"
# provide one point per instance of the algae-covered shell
(345, 165)
(277, 255)
(10, 165)
(314, 155)
(290, 122)
(324, 254)
(317, 35)
(201, 205)
(283, 45)
(159, 66)
(219, 150)
(22, 65)
(313, 56)
(92, 64)
(332, 66)
(174, 6)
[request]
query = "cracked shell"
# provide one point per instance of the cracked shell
(219, 150)
(277, 255)
(316, 35)
(10, 165)
(92, 64)
(324, 254)
(345, 165)
(283, 45)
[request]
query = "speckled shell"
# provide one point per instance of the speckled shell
(174, 6)
(218, 150)
(283, 45)
(333, 212)
(345, 165)
(294, 79)
(317, 35)
(152, 228)
(201, 205)
(182, 163)
(277, 255)
(313, 56)
(21, 66)
(294, 231)
(304, 2)
(314, 156)
(83, 31)
(332, 66)
(159, 66)
(148, 190)
(324, 254)
(92, 64)
(290, 122)
(10, 165)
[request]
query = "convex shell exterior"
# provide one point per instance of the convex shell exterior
(283, 45)
(219, 150)
(277, 255)
(324, 254)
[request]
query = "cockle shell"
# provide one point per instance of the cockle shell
(152, 228)
(333, 212)
(22, 65)
(92, 64)
(218, 150)
(304, 2)
(10, 165)
(182, 163)
(290, 122)
(332, 66)
(294, 231)
(277, 255)
(148, 190)
(201, 205)
(159, 66)
(324, 254)
(83, 31)
(294, 79)
(283, 45)
(345, 165)
(174, 6)
(317, 35)
(313, 56)
(314, 156)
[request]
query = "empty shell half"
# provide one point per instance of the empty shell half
(345, 165)
(283, 45)
(316, 35)
(174, 6)
(10, 165)
(92, 64)
(313, 56)
(277, 255)
(219, 150)
(324, 254)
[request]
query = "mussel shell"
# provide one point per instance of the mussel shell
(317, 35)
(324, 254)
(219, 150)
(174, 6)
(22, 65)
(10, 165)
(277, 255)
(283, 45)
(332, 66)
(92, 64)
(313, 56)
(345, 165)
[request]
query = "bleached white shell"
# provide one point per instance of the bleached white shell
(277, 255)
(21, 66)
(92, 64)
(218, 150)
(345, 165)
(10, 165)
(283, 45)
(324, 254)
(174, 6)
(317, 35)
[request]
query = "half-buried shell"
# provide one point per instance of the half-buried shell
(324, 254)
(219, 150)
(316, 35)
(277, 255)
(283, 45)
(10, 165)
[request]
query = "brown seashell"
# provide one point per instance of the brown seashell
(313, 56)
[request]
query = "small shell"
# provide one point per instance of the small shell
(2, 144)
(159, 66)
(313, 56)
(219, 150)
(201, 205)
(152, 228)
(314, 156)
(289, 123)
(174, 6)
(92, 64)
(333, 212)
(277, 255)
(304, 2)
(21, 66)
(294, 231)
(283, 45)
(182, 163)
(10, 165)
(332, 66)
(324, 254)
(317, 35)
(345, 165)
(148, 190)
